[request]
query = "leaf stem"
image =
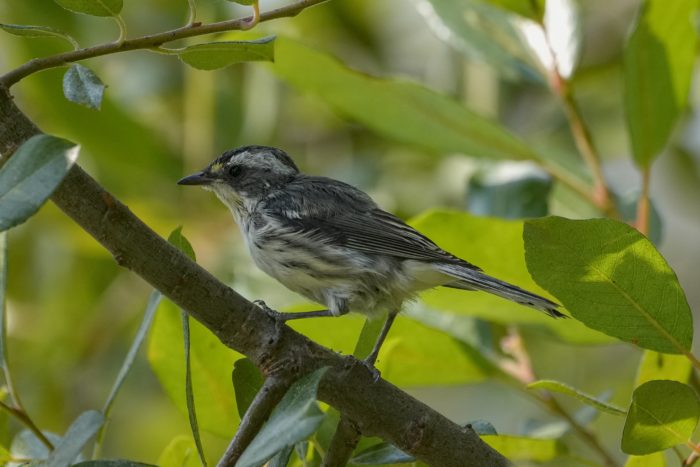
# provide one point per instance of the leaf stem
(192, 14)
(694, 455)
(20, 414)
(147, 42)
(642, 222)
(122, 28)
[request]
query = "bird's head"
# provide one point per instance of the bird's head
(245, 173)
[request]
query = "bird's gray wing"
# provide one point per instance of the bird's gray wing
(334, 212)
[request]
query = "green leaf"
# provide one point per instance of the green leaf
(496, 246)
(214, 55)
(79, 433)
(92, 7)
(658, 66)
(31, 175)
(486, 32)
(663, 414)
(400, 110)
(610, 277)
(189, 390)
(482, 427)
(180, 242)
(511, 190)
(562, 388)
(180, 452)
(247, 381)
(295, 418)
(520, 448)
(656, 365)
(30, 30)
(656, 459)
(82, 86)
(211, 370)
(3, 300)
(281, 459)
(381, 454)
(368, 336)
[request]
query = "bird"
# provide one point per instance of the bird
(331, 243)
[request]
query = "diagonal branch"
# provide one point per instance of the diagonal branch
(378, 407)
(149, 41)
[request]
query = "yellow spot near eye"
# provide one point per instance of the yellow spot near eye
(217, 167)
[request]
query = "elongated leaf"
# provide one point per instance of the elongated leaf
(93, 7)
(486, 32)
(243, 2)
(656, 365)
(79, 433)
(189, 389)
(82, 86)
(611, 278)
(281, 459)
(31, 175)
(520, 448)
(3, 300)
(663, 414)
(30, 30)
(400, 110)
(211, 370)
(496, 246)
(658, 66)
(295, 418)
(368, 337)
(527, 9)
(214, 55)
(247, 381)
(25, 445)
(562, 388)
(561, 21)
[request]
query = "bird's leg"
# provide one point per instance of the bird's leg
(290, 316)
(372, 357)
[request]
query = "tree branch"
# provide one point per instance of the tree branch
(149, 41)
(378, 407)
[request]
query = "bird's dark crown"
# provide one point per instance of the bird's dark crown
(263, 158)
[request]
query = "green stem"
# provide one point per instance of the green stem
(122, 28)
(23, 417)
(642, 223)
(192, 15)
(147, 42)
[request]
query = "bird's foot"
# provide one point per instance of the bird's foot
(369, 364)
(276, 315)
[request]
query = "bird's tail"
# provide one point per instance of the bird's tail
(472, 279)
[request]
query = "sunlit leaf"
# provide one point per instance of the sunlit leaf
(296, 417)
(656, 459)
(397, 109)
(496, 246)
(213, 55)
(663, 414)
(31, 175)
(93, 7)
(656, 365)
(211, 370)
(180, 452)
(658, 66)
(532, 9)
(486, 32)
(562, 388)
(181, 243)
(563, 28)
(610, 277)
(82, 86)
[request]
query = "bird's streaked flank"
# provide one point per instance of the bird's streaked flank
(331, 243)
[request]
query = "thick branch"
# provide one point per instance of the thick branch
(148, 42)
(378, 407)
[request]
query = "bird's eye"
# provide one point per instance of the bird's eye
(234, 171)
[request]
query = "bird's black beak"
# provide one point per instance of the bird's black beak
(199, 178)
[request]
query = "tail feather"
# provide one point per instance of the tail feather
(471, 279)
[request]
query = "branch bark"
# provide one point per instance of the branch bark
(378, 407)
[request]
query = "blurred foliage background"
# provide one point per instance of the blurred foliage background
(73, 311)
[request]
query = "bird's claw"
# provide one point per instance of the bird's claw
(276, 315)
(376, 374)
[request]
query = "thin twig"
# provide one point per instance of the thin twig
(694, 455)
(147, 42)
(642, 223)
(258, 412)
(344, 441)
(22, 416)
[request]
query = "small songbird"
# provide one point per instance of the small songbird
(329, 242)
